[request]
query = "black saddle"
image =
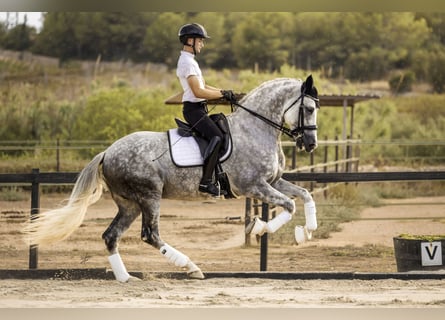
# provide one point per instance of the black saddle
(185, 130)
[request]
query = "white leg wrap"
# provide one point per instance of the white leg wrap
(259, 227)
(300, 234)
(277, 222)
(174, 256)
(311, 217)
(118, 267)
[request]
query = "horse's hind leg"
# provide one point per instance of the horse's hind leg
(150, 235)
(128, 212)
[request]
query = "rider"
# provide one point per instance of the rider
(196, 94)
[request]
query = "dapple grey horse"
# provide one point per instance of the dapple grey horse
(139, 174)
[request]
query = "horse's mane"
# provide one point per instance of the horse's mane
(261, 89)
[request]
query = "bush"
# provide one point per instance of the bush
(436, 72)
(367, 65)
(401, 82)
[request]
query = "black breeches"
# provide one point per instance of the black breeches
(195, 113)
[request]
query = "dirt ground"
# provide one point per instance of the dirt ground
(212, 235)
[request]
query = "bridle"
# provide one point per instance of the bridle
(301, 127)
(298, 131)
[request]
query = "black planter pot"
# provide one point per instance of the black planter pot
(417, 254)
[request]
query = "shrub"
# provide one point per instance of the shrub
(401, 82)
(436, 72)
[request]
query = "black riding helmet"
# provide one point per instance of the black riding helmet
(192, 30)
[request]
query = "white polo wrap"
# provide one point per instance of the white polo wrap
(311, 217)
(174, 256)
(300, 236)
(259, 227)
(118, 267)
(277, 222)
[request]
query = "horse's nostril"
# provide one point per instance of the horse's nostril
(311, 147)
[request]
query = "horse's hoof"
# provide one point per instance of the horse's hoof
(256, 226)
(133, 279)
(197, 274)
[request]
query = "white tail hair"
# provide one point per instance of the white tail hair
(56, 225)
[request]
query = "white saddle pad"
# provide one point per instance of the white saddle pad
(185, 151)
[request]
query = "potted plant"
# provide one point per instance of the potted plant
(419, 252)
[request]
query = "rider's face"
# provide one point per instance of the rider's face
(199, 44)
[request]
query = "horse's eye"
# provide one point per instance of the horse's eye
(309, 110)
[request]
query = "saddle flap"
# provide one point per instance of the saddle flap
(186, 132)
(187, 152)
(184, 129)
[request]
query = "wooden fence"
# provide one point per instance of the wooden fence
(36, 178)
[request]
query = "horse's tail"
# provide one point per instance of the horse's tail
(55, 225)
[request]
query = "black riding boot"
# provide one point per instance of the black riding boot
(211, 158)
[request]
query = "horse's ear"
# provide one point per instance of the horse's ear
(308, 84)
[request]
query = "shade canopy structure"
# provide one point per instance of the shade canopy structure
(329, 100)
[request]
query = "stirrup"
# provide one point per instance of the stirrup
(212, 189)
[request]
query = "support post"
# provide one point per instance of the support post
(58, 155)
(35, 205)
(336, 154)
(248, 218)
(294, 157)
(325, 168)
(348, 155)
(263, 254)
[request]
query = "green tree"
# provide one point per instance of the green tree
(123, 34)
(358, 41)
(263, 38)
(3, 32)
(436, 71)
(85, 35)
(19, 38)
(58, 35)
(435, 21)
(214, 24)
(221, 43)
(367, 65)
(401, 35)
(161, 42)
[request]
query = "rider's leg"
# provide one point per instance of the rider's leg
(196, 115)
(211, 157)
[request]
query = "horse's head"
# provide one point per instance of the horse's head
(301, 115)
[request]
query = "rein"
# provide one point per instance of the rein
(298, 131)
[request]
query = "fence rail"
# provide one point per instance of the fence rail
(326, 177)
(320, 177)
(35, 178)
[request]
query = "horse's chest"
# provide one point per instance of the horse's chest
(267, 161)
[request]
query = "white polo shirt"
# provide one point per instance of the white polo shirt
(187, 66)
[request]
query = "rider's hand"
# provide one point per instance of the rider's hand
(228, 95)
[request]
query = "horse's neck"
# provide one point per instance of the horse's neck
(243, 123)
(268, 101)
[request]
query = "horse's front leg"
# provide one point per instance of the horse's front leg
(268, 194)
(280, 194)
(309, 207)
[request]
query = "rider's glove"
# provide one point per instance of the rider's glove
(228, 95)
